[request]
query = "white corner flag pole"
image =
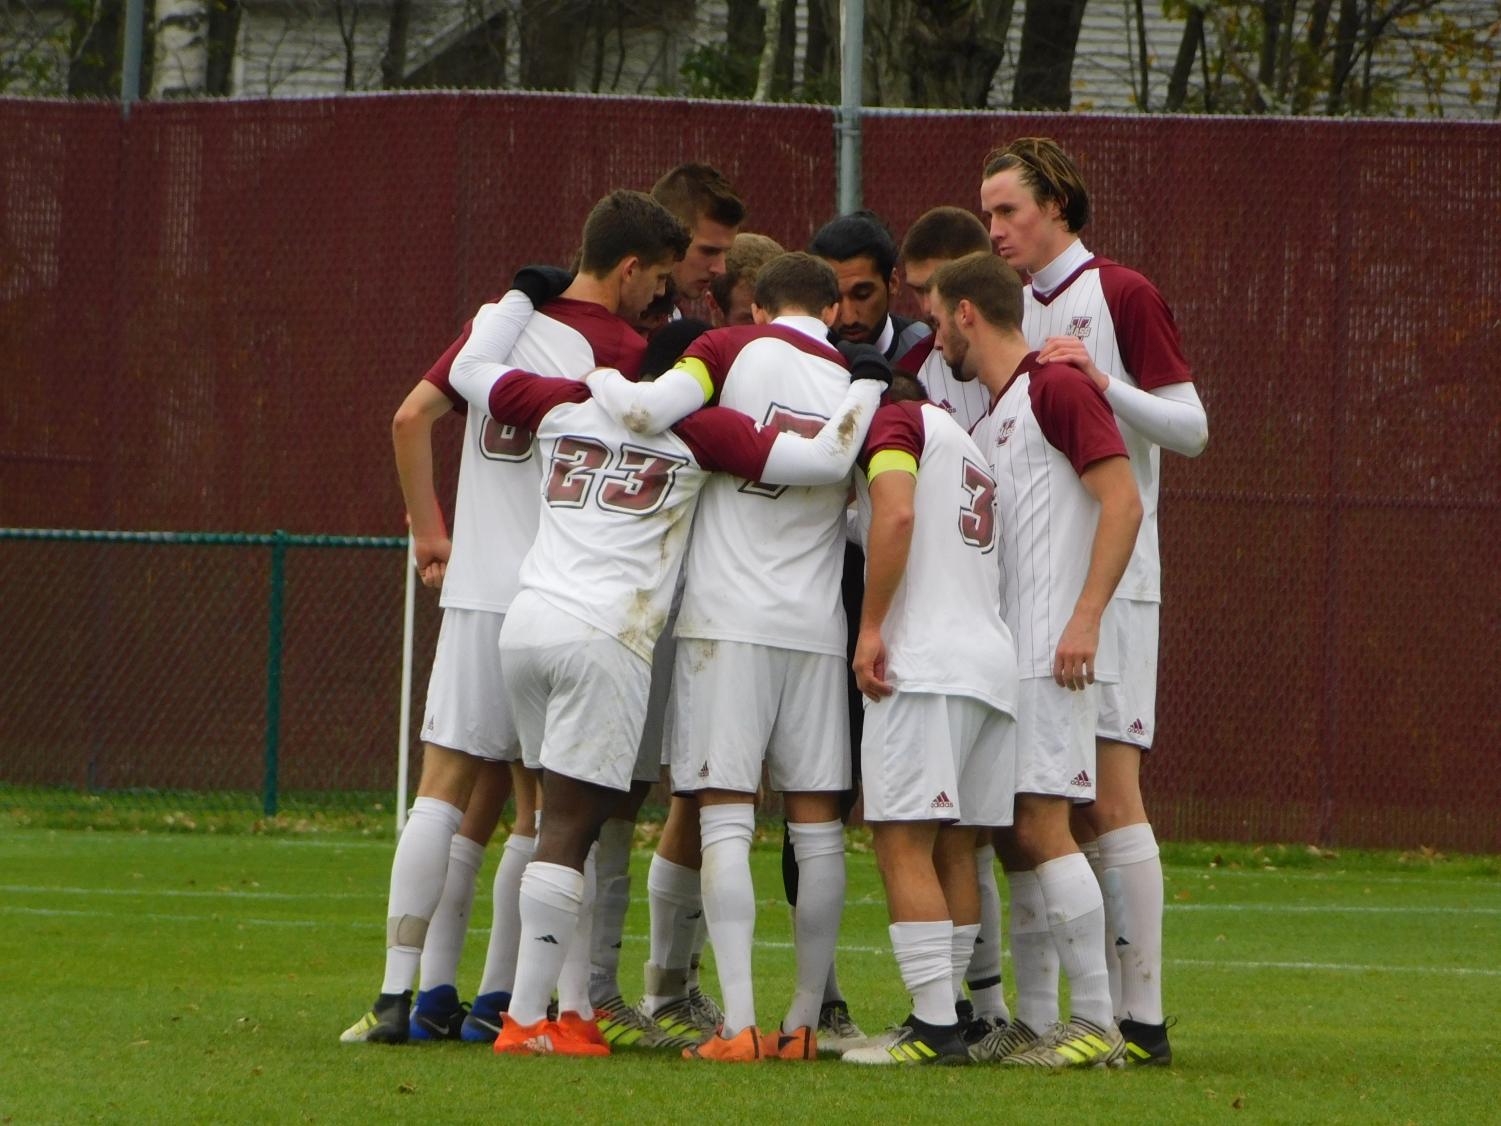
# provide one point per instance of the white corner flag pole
(404, 740)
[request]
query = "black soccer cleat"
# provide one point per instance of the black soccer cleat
(1146, 1044)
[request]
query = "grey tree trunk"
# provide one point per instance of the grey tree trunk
(1045, 64)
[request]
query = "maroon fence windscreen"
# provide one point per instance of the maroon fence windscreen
(209, 312)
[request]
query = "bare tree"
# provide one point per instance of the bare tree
(1045, 64)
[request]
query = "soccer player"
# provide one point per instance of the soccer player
(761, 643)
(705, 203)
(938, 669)
(862, 254)
(938, 236)
(595, 591)
(467, 719)
(733, 292)
(1112, 323)
(1068, 511)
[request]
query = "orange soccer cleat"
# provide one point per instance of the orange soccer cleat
(582, 1029)
(746, 1046)
(799, 1045)
(545, 1038)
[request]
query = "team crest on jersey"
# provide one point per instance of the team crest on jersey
(1079, 326)
(1008, 425)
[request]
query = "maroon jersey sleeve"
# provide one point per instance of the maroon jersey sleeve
(895, 426)
(1074, 415)
(913, 358)
(614, 342)
(437, 375)
(523, 399)
(727, 440)
(1144, 328)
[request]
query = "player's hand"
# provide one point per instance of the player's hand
(1073, 663)
(432, 559)
(870, 665)
(865, 361)
(1071, 350)
(541, 283)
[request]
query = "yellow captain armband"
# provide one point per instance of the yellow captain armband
(891, 459)
(700, 372)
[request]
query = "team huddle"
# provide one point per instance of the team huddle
(866, 562)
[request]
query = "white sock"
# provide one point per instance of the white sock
(677, 910)
(831, 986)
(573, 978)
(551, 895)
(499, 974)
(925, 955)
(700, 940)
(612, 898)
(445, 935)
(417, 874)
(819, 849)
(962, 950)
(1133, 869)
(1076, 916)
(1091, 851)
(730, 906)
(1034, 958)
(984, 973)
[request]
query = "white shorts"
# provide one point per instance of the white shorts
(735, 705)
(929, 757)
(1055, 739)
(578, 694)
(467, 707)
(1128, 710)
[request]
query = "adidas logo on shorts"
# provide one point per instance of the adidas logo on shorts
(941, 802)
(1081, 780)
(1136, 728)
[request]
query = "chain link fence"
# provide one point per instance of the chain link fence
(208, 313)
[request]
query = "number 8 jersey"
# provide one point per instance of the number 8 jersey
(944, 632)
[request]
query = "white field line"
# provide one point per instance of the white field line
(376, 896)
(1203, 963)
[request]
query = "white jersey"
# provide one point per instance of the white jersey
(495, 512)
(944, 631)
(766, 560)
(1130, 334)
(1048, 425)
(617, 506)
(966, 400)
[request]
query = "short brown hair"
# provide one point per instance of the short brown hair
(905, 388)
(626, 224)
(742, 262)
(796, 280)
(1049, 172)
(697, 191)
(944, 233)
(987, 283)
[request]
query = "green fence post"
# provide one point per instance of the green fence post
(273, 671)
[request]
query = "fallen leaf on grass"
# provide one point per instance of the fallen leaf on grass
(1238, 1103)
(407, 1088)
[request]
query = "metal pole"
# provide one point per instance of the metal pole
(404, 740)
(130, 67)
(852, 96)
(273, 673)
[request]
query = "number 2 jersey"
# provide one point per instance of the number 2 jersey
(495, 512)
(616, 505)
(944, 631)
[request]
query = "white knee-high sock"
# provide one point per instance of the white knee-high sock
(1091, 851)
(819, 848)
(730, 906)
(1133, 870)
(983, 975)
(499, 974)
(445, 936)
(1034, 958)
(573, 979)
(925, 956)
(417, 875)
(1076, 917)
(612, 898)
(677, 909)
(551, 895)
(961, 951)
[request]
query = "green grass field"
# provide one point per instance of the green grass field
(182, 977)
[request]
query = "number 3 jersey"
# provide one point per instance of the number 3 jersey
(617, 505)
(495, 511)
(944, 631)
